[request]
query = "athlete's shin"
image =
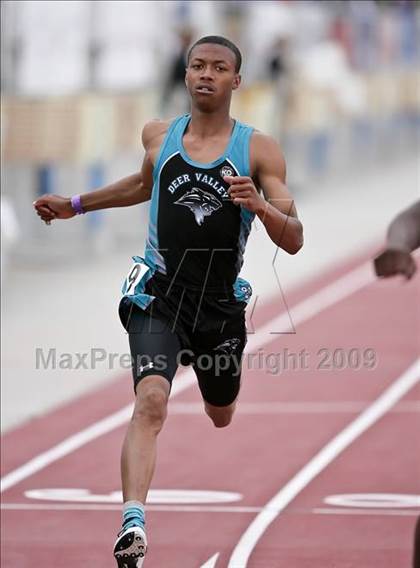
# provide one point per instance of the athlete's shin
(138, 456)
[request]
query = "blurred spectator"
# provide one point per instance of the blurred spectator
(174, 97)
(265, 23)
(277, 60)
(279, 69)
(408, 31)
(365, 19)
(340, 32)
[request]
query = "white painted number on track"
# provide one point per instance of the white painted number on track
(156, 496)
(374, 500)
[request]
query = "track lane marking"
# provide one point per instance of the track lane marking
(251, 536)
(309, 407)
(83, 437)
(211, 562)
(204, 509)
(117, 507)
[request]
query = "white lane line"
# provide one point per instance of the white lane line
(319, 462)
(324, 298)
(83, 437)
(65, 447)
(211, 562)
(117, 507)
(295, 407)
(95, 507)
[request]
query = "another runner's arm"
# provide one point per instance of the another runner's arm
(403, 237)
(404, 231)
(127, 191)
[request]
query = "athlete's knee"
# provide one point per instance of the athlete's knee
(222, 421)
(151, 406)
(220, 416)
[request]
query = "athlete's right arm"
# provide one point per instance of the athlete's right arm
(131, 190)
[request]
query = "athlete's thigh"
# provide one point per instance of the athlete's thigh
(154, 346)
(217, 362)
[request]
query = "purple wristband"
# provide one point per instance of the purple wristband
(77, 204)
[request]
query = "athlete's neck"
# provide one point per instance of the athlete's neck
(205, 125)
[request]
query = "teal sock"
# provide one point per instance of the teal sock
(133, 515)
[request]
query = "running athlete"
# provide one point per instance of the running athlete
(207, 176)
(403, 238)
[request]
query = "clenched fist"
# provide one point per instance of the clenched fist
(243, 192)
(50, 207)
(392, 262)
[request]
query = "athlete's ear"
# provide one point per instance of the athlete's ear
(236, 81)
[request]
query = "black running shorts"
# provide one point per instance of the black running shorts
(182, 327)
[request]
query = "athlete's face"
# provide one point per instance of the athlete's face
(211, 75)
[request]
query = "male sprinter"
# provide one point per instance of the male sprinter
(204, 173)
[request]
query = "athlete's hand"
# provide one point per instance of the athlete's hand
(392, 262)
(243, 192)
(50, 207)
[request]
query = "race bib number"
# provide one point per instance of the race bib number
(137, 272)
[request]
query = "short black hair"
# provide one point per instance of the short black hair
(219, 40)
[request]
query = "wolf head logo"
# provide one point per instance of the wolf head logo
(228, 346)
(201, 203)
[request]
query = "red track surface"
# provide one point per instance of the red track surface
(256, 456)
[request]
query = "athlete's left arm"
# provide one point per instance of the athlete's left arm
(277, 211)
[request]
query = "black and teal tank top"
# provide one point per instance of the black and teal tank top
(196, 234)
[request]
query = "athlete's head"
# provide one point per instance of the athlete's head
(213, 66)
(219, 40)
